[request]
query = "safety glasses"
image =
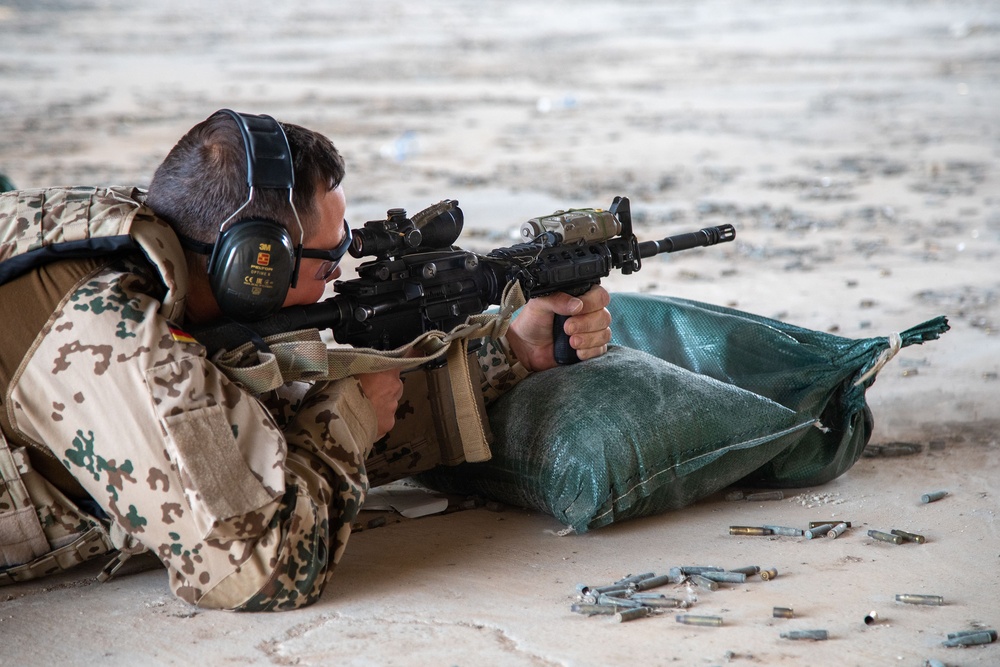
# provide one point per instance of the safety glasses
(331, 257)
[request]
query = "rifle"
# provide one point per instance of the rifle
(419, 281)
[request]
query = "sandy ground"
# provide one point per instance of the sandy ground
(854, 145)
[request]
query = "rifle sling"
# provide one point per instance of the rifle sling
(302, 355)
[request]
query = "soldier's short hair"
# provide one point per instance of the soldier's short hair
(203, 180)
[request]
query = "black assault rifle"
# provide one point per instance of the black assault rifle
(419, 281)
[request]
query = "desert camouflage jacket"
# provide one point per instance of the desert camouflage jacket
(247, 500)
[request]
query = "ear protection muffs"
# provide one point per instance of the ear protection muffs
(254, 261)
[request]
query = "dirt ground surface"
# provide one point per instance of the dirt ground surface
(855, 145)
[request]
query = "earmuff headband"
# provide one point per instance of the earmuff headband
(269, 165)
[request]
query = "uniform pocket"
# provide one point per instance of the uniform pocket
(41, 530)
(21, 536)
(228, 500)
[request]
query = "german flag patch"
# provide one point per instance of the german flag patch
(181, 336)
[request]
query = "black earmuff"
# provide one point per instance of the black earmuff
(254, 261)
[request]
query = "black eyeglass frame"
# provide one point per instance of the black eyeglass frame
(333, 256)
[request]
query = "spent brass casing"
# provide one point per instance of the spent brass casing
(614, 601)
(726, 577)
(749, 530)
(663, 602)
(625, 615)
(783, 612)
(933, 496)
(885, 537)
(690, 619)
(909, 537)
(965, 633)
(816, 635)
(785, 531)
(768, 575)
(973, 639)
(700, 569)
(911, 598)
(836, 531)
(813, 524)
(872, 618)
(634, 578)
(818, 531)
(610, 589)
(702, 582)
(652, 582)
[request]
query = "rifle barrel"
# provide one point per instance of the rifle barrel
(703, 237)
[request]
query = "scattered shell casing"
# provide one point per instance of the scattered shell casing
(749, 530)
(783, 612)
(784, 531)
(663, 602)
(885, 537)
(618, 591)
(610, 589)
(837, 531)
(872, 618)
(768, 575)
(734, 496)
(613, 601)
(593, 609)
(701, 582)
(634, 578)
(749, 570)
(700, 569)
(726, 577)
(909, 537)
(652, 582)
(933, 496)
(910, 598)
(625, 615)
(818, 531)
(966, 633)
(765, 495)
(690, 619)
(973, 639)
(816, 635)
(813, 524)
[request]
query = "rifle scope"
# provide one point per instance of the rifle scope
(436, 227)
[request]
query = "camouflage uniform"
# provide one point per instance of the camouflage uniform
(248, 501)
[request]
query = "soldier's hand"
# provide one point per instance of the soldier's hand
(384, 390)
(530, 335)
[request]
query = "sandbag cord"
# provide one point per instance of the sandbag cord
(895, 345)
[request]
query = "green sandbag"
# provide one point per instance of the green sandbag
(814, 373)
(693, 398)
